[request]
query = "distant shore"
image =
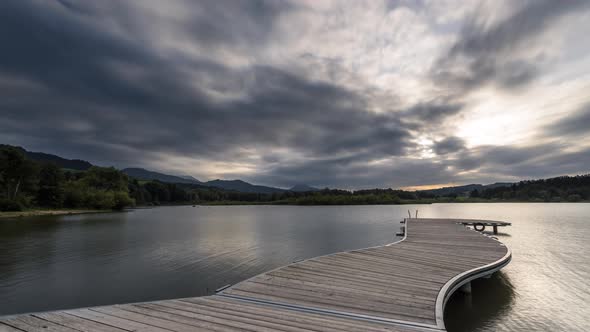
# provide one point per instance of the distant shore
(65, 212)
(47, 212)
(402, 202)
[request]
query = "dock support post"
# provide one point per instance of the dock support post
(466, 288)
(402, 231)
(495, 229)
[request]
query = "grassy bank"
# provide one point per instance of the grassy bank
(36, 212)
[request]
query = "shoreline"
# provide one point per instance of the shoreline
(67, 212)
(47, 212)
(424, 202)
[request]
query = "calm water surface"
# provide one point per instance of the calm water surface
(49, 263)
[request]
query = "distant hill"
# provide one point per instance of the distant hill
(465, 190)
(242, 186)
(144, 174)
(75, 164)
(558, 189)
(188, 177)
(235, 185)
(498, 185)
(303, 188)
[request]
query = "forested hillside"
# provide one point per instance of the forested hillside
(26, 183)
(559, 189)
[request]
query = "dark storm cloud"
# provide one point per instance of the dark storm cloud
(523, 162)
(551, 162)
(357, 173)
(503, 53)
(575, 124)
(494, 156)
(116, 98)
(434, 111)
(75, 55)
(68, 55)
(449, 145)
(243, 23)
(317, 118)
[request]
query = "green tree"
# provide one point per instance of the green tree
(75, 194)
(98, 188)
(17, 174)
(51, 190)
(122, 200)
(105, 178)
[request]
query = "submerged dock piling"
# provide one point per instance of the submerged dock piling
(466, 288)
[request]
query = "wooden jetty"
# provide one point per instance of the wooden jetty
(399, 287)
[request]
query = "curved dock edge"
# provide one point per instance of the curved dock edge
(335, 313)
(461, 279)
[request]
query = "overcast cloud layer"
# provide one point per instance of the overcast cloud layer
(346, 94)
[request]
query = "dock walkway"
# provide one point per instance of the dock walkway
(399, 287)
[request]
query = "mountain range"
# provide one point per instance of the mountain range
(235, 185)
(466, 189)
(303, 188)
(144, 174)
(245, 187)
(73, 164)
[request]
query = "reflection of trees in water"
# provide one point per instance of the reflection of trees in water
(16, 242)
(27, 244)
(490, 300)
(52, 255)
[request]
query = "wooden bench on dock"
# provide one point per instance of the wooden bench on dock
(398, 287)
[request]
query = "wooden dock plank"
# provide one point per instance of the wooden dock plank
(35, 324)
(374, 309)
(320, 294)
(354, 282)
(252, 323)
(122, 323)
(8, 328)
(257, 316)
(167, 324)
(315, 283)
(77, 323)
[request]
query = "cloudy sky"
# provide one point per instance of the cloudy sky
(350, 94)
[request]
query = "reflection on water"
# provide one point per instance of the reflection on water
(169, 252)
(489, 301)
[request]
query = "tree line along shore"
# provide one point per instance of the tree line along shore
(30, 187)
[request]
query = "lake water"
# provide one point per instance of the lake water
(49, 263)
